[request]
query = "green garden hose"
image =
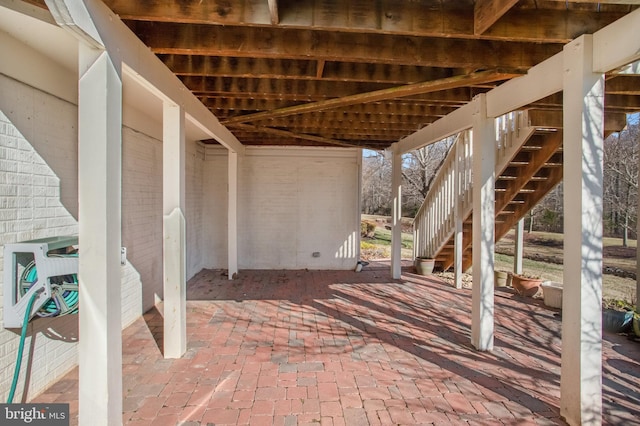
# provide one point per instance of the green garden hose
(64, 291)
(23, 335)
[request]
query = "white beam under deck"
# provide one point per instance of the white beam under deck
(484, 159)
(518, 247)
(458, 230)
(99, 183)
(232, 215)
(174, 238)
(396, 229)
(125, 47)
(451, 124)
(581, 378)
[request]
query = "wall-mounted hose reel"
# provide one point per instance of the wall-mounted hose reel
(46, 268)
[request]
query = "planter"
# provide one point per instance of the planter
(525, 286)
(552, 293)
(617, 321)
(501, 278)
(424, 265)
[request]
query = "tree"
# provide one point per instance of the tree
(376, 183)
(621, 179)
(420, 168)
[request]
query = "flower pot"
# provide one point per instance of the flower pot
(552, 293)
(501, 278)
(525, 286)
(424, 265)
(617, 321)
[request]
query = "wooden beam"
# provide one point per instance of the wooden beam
(613, 121)
(320, 68)
(279, 43)
(623, 84)
(221, 66)
(631, 2)
(279, 132)
(487, 12)
(414, 18)
(273, 11)
(379, 95)
(292, 89)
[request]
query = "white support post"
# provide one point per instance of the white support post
(359, 206)
(396, 230)
(99, 183)
(484, 138)
(581, 374)
(232, 213)
(173, 201)
(518, 249)
(457, 236)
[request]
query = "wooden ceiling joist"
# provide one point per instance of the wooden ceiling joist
(173, 38)
(380, 95)
(487, 12)
(286, 133)
(413, 18)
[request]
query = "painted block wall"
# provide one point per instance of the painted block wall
(38, 165)
(292, 202)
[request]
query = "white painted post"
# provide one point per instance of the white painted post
(457, 216)
(518, 249)
(396, 230)
(232, 214)
(484, 138)
(173, 201)
(359, 205)
(99, 197)
(581, 374)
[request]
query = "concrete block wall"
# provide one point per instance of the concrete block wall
(292, 203)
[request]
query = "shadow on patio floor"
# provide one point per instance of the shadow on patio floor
(338, 347)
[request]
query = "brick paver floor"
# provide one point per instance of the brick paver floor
(345, 348)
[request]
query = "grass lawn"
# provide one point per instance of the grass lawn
(545, 246)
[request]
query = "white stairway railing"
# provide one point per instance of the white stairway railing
(450, 193)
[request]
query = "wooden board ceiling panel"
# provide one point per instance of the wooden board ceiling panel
(324, 72)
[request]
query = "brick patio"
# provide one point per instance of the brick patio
(346, 348)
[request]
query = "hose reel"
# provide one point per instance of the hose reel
(45, 269)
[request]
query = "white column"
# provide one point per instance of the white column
(173, 190)
(581, 374)
(396, 230)
(457, 236)
(232, 214)
(518, 248)
(484, 136)
(99, 197)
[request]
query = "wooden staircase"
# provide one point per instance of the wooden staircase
(535, 169)
(528, 166)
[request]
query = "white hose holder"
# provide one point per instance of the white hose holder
(16, 258)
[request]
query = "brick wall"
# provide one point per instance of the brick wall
(292, 203)
(38, 198)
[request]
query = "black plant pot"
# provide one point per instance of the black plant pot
(617, 321)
